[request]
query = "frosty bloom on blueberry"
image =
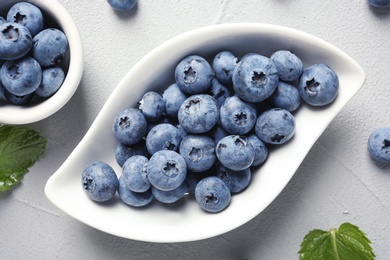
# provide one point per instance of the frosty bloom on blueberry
(129, 126)
(212, 194)
(27, 15)
(379, 145)
(15, 41)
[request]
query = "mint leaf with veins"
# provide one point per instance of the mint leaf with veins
(346, 243)
(20, 148)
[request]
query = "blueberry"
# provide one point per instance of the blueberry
(318, 85)
(99, 181)
(223, 64)
(237, 116)
(198, 151)
(173, 98)
(193, 74)
(21, 77)
(52, 79)
(124, 152)
(235, 152)
(49, 47)
(237, 181)
(193, 178)
(379, 3)
(212, 194)
(289, 66)
(255, 78)
(166, 170)
(134, 199)
(219, 92)
(15, 41)
(18, 100)
(198, 113)
(129, 126)
(122, 5)
(261, 150)
(170, 196)
(163, 137)
(275, 126)
(379, 145)
(152, 105)
(27, 15)
(286, 96)
(134, 172)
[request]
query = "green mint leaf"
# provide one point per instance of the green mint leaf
(348, 242)
(20, 148)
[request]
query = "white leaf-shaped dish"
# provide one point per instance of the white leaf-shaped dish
(186, 221)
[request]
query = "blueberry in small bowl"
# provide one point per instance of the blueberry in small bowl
(25, 27)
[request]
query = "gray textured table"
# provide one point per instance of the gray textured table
(336, 183)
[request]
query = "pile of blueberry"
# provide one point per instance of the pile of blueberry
(30, 55)
(206, 131)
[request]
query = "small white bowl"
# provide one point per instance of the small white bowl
(186, 221)
(55, 15)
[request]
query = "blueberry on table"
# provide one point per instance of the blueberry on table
(99, 181)
(255, 78)
(15, 41)
(52, 79)
(21, 77)
(122, 5)
(199, 152)
(49, 47)
(237, 116)
(135, 174)
(167, 170)
(152, 106)
(379, 3)
(289, 65)
(235, 152)
(223, 64)
(27, 15)
(163, 137)
(318, 85)
(379, 145)
(129, 126)
(193, 74)
(212, 194)
(286, 96)
(275, 126)
(198, 114)
(134, 199)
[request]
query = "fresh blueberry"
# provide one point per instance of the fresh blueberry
(49, 47)
(27, 15)
(18, 100)
(129, 126)
(193, 178)
(21, 77)
(99, 181)
(166, 170)
(122, 5)
(193, 74)
(219, 92)
(289, 66)
(52, 79)
(255, 78)
(379, 3)
(212, 194)
(170, 196)
(135, 175)
(173, 98)
(134, 199)
(237, 116)
(261, 150)
(152, 105)
(223, 64)
(235, 152)
(217, 133)
(124, 152)
(198, 113)
(198, 151)
(379, 145)
(318, 85)
(286, 96)
(163, 137)
(15, 41)
(275, 126)
(237, 181)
